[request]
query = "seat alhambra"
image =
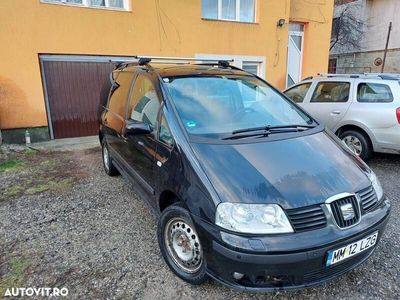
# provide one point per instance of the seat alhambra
(249, 189)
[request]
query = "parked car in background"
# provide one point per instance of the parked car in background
(362, 109)
(250, 190)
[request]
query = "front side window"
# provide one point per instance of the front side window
(331, 92)
(298, 93)
(374, 93)
(144, 103)
(230, 10)
(218, 105)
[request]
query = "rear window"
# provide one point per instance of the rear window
(331, 92)
(374, 93)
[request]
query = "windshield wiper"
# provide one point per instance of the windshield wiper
(266, 131)
(269, 128)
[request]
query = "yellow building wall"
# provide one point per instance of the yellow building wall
(317, 16)
(174, 28)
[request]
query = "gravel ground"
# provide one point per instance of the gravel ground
(99, 240)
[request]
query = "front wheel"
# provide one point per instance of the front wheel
(358, 143)
(180, 245)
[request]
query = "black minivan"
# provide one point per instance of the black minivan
(250, 190)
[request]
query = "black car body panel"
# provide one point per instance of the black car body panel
(297, 171)
(289, 172)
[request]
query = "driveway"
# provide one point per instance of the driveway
(64, 223)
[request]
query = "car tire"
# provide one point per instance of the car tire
(109, 168)
(358, 142)
(176, 233)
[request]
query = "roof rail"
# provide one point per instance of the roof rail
(384, 76)
(339, 75)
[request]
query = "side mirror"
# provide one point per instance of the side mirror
(135, 127)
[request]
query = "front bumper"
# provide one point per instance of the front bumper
(292, 267)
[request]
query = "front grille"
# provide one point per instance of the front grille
(307, 218)
(338, 214)
(368, 198)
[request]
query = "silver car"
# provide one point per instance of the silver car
(363, 110)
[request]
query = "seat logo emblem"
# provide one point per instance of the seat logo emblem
(347, 211)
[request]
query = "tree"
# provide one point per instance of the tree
(347, 28)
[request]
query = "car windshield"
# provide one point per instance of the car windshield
(218, 105)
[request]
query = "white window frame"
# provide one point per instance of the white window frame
(85, 3)
(238, 61)
(237, 19)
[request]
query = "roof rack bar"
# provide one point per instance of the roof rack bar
(160, 58)
(138, 60)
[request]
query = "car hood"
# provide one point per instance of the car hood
(294, 172)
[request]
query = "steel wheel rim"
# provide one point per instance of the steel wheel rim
(183, 245)
(106, 158)
(354, 144)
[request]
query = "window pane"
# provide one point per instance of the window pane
(296, 27)
(228, 8)
(331, 92)
(144, 103)
(290, 81)
(251, 68)
(74, 1)
(298, 93)
(374, 92)
(247, 10)
(297, 40)
(97, 3)
(116, 3)
(209, 9)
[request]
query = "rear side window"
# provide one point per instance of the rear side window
(119, 93)
(331, 92)
(374, 93)
(298, 93)
(144, 103)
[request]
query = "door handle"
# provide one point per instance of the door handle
(336, 112)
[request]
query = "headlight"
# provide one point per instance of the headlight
(252, 218)
(376, 184)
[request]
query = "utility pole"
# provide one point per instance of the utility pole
(386, 48)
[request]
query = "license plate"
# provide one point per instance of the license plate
(335, 256)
